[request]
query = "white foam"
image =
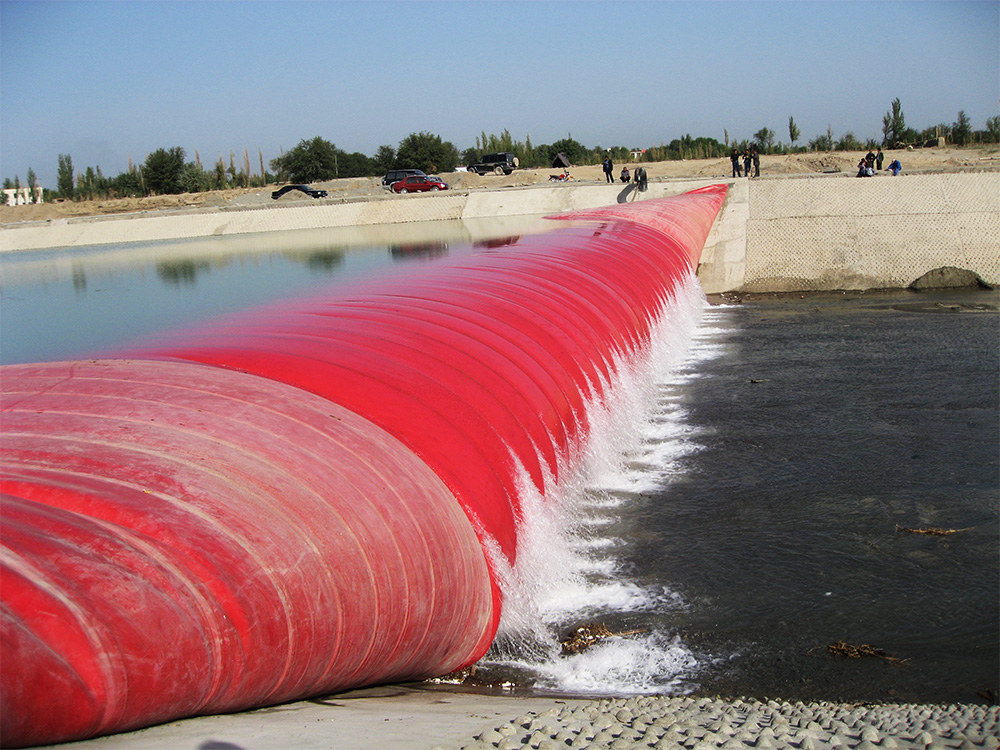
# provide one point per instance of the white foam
(633, 665)
(566, 572)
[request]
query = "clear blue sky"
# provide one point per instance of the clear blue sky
(103, 81)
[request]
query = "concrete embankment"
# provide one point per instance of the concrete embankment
(819, 232)
(825, 233)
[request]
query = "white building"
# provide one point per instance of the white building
(21, 196)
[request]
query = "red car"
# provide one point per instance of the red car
(418, 183)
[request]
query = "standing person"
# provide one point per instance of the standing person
(879, 156)
(746, 163)
(735, 159)
(608, 169)
(756, 162)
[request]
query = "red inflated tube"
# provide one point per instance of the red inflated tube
(305, 498)
(181, 539)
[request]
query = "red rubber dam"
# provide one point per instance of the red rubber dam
(311, 496)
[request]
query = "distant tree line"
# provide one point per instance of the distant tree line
(167, 171)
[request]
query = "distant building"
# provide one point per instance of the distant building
(21, 196)
(637, 154)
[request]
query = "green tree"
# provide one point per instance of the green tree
(193, 178)
(764, 138)
(311, 161)
(849, 142)
(384, 158)
(64, 176)
(88, 183)
(219, 180)
(355, 164)
(128, 184)
(993, 128)
(469, 156)
(894, 125)
(163, 169)
(426, 151)
(32, 185)
(793, 130)
(961, 130)
(822, 142)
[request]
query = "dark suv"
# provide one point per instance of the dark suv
(503, 163)
(395, 175)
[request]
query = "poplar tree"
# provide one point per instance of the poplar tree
(32, 184)
(961, 130)
(64, 176)
(893, 125)
(793, 130)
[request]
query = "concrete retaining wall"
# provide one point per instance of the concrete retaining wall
(773, 234)
(847, 233)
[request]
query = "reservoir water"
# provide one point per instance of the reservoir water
(772, 491)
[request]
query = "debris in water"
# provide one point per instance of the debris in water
(586, 636)
(933, 531)
(851, 651)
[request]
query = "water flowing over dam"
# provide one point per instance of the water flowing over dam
(317, 495)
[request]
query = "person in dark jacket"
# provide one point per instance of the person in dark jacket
(735, 159)
(608, 169)
(640, 178)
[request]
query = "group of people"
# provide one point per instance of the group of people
(626, 176)
(872, 163)
(750, 159)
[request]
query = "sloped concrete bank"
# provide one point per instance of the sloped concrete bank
(798, 234)
(774, 234)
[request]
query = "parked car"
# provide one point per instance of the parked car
(395, 175)
(419, 183)
(311, 192)
(503, 163)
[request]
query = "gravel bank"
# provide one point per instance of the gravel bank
(706, 724)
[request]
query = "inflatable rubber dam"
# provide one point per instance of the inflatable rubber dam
(317, 495)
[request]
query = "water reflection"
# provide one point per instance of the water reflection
(326, 261)
(67, 303)
(495, 242)
(180, 272)
(79, 278)
(418, 250)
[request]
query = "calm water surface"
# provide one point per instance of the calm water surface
(816, 430)
(67, 303)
